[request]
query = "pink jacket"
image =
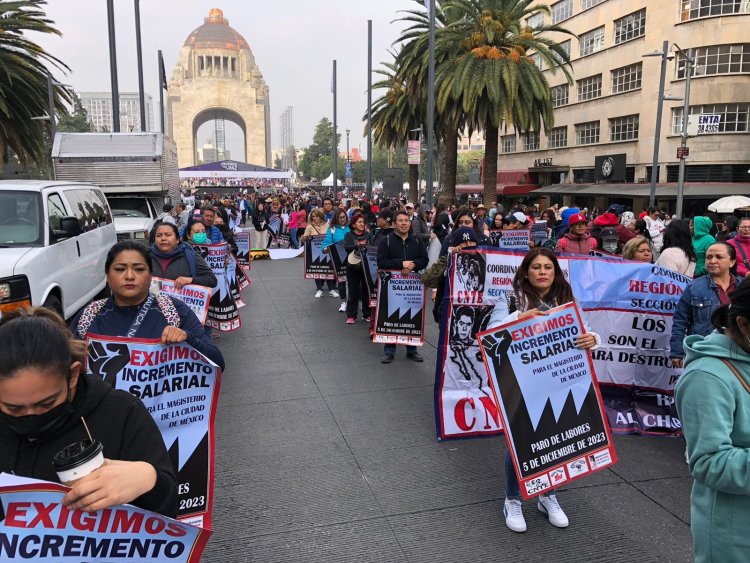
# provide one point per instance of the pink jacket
(293, 220)
(741, 242)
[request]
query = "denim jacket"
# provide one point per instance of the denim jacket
(693, 313)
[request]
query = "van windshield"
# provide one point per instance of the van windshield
(20, 219)
(129, 206)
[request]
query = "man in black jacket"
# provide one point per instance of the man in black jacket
(402, 251)
(418, 226)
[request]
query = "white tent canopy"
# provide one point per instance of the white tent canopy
(729, 204)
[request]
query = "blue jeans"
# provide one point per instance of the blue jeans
(319, 284)
(293, 238)
(390, 349)
(512, 489)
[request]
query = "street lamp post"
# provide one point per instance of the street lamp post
(689, 62)
(659, 109)
(348, 160)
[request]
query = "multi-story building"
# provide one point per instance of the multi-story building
(610, 108)
(287, 138)
(473, 142)
(99, 110)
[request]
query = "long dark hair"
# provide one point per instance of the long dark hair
(677, 235)
(725, 316)
(334, 222)
(34, 341)
(560, 292)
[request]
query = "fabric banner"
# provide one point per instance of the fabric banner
(338, 256)
(197, 297)
(317, 263)
(514, 239)
(242, 240)
(35, 526)
(621, 301)
(413, 150)
(180, 388)
(399, 317)
(370, 263)
(539, 232)
(549, 400)
(223, 313)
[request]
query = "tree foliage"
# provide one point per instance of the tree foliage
(23, 81)
(313, 162)
(77, 121)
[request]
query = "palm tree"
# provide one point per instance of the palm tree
(394, 116)
(23, 81)
(412, 64)
(491, 72)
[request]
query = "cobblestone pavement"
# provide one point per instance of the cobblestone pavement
(324, 454)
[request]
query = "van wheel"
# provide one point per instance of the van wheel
(53, 303)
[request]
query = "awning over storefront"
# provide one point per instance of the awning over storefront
(507, 190)
(691, 191)
(233, 169)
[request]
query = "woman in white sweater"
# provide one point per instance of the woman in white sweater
(677, 253)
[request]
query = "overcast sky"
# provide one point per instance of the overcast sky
(294, 43)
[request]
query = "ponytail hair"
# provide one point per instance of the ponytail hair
(725, 317)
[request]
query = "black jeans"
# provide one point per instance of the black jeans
(356, 291)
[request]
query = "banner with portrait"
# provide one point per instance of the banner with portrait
(223, 313)
(180, 388)
(35, 526)
(549, 400)
(197, 297)
(318, 264)
(619, 301)
(399, 315)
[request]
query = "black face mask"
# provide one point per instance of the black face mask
(39, 425)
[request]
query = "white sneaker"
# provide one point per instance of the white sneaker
(319, 294)
(548, 505)
(514, 515)
(342, 308)
(334, 293)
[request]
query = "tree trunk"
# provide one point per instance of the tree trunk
(490, 165)
(413, 183)
(451, 166)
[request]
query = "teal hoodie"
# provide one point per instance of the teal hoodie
(714, 408)
(701, 241)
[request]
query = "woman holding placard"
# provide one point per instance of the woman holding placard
(538, 286)
(49, 407)
(317, 227)
(178, 261)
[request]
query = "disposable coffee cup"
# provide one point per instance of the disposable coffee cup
(77, 460)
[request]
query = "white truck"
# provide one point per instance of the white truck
(136, 171)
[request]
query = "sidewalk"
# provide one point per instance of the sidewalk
(324, 454)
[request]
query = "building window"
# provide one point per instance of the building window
(562, 10)
(623, 128)
(589, 88)
(509, 143)
(558, 137)
(626, 78)
(733, 118)
(592, 41)
(710, 173)
(537, 20)
(587, 133)
(630, 27)
(717, 59)
(559, 95)
(530, 140)
(565, 46)
(584, 176)
(586, 4)
(537, 58)
(692, 9)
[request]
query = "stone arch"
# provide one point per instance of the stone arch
(211, 113)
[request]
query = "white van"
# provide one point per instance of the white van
(54, 239)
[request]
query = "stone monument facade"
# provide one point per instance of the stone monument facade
(216, 76)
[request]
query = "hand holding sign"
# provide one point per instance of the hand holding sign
(173, 335)
(116, 482)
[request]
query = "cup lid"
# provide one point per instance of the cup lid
(76, 454)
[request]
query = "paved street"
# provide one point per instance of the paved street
(324, 454)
